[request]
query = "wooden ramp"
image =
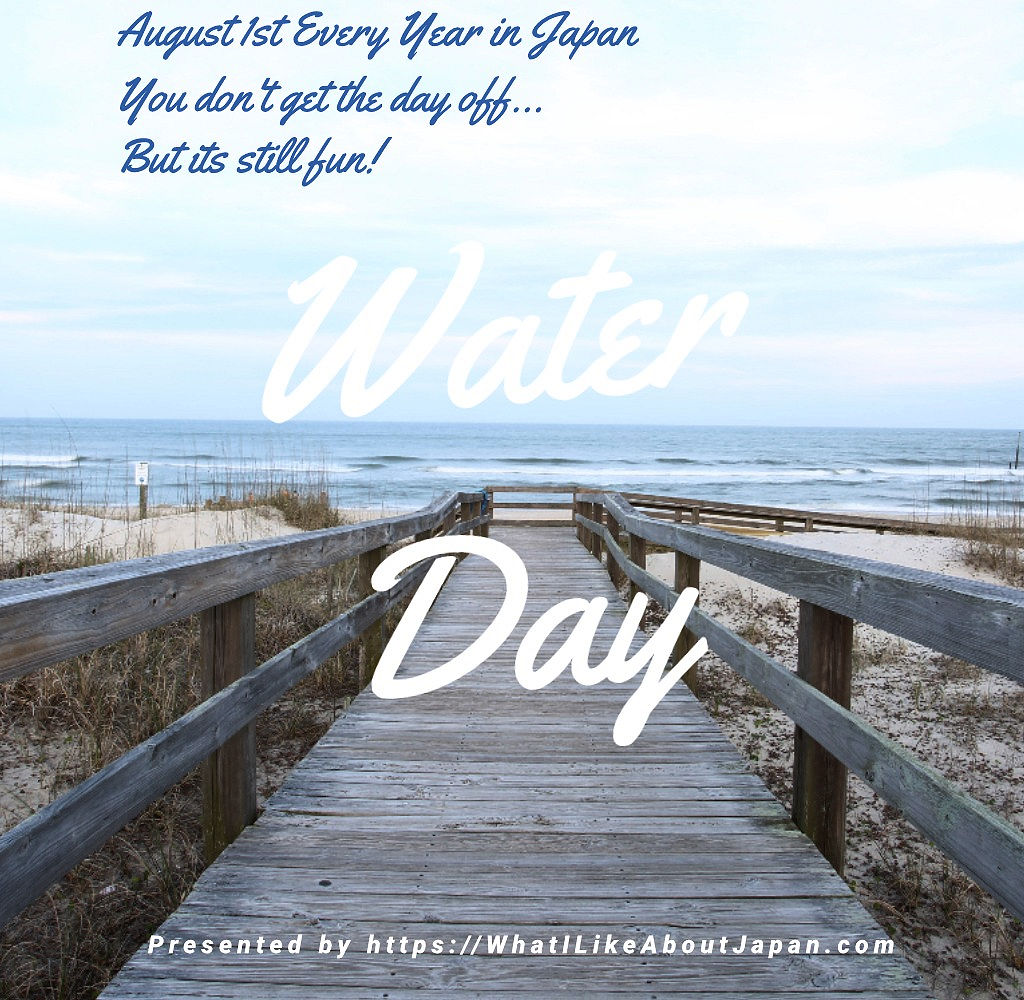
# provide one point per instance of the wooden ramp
(483, 811)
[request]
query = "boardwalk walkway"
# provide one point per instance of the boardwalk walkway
(484, 809)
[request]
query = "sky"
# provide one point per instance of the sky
(856, 170)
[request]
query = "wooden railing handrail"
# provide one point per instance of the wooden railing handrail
(975, 621)
(989, 848)
(49, 618)
(538, 488)
(831, 518)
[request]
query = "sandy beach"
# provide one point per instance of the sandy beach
(116, 535)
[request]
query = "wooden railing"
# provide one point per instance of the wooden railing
(973, 621)
(720, 514)
(565, 506)
(47, 619)
(713, 513)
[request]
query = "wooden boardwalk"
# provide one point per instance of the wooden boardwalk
(486, 810)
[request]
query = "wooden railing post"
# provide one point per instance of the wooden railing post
(587, 510)
(614, 569)
(466, 511)
(638, 555)
(485, 529)
(228, 650)
(596, 514)
(824, 659)
(577, 508)
(687, 574)
(372, 642)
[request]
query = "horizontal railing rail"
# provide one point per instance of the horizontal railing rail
(562, 509)
(46, 619)
(716, 513)
(780, 518)
(49, 618)
(977, 622)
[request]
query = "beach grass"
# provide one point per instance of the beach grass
(993, 538)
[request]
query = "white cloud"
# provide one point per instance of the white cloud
(55, 317)
(47, 192)
(939, 295)
(983, 354)
(197, 341)
(91, 257)
(949, 208)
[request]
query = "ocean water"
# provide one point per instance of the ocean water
(400, 465)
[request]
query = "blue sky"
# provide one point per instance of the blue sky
(856, 169)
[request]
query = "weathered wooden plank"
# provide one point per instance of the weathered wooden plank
(313, 852)
(587, 510)
(829, 920)
(565, 789)
(301, 886)
(686, 574)
(223, 991)
(638, 554)
(612, 531)
(486, 513)
(839, 519)
(824, 974)
(538, 488)
(736, 521)
(467, 909)
(533, 505)
(532, 523)
(372, 641)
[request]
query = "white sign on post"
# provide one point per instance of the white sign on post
(142, 473)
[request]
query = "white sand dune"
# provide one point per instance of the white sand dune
(25, 531)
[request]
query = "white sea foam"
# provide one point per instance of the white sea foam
(263, 466)
(14, 459)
